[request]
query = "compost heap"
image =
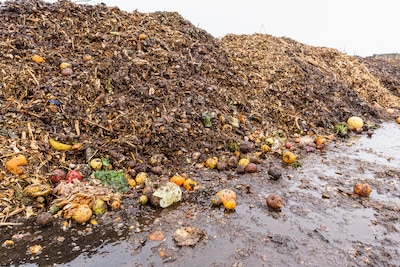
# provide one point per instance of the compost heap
(142, 85)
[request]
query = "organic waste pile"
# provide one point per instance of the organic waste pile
(95, 101)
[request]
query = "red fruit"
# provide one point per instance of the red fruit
(288, 145)
(67, 71)
(72, 175)
(57, 175)
(251, 167)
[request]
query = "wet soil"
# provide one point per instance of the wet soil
(322, 219)
(152, 90)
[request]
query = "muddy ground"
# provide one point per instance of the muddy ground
(151, 93)
(322, 220)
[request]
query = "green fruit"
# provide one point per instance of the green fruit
(99, 207)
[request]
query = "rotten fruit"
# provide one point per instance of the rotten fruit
(274, 201)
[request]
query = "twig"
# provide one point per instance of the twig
(98, 125)
(9, 155)
(33, 76)
(9, 224)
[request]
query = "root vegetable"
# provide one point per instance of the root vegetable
(274, 201)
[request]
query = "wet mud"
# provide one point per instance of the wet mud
(322, 220)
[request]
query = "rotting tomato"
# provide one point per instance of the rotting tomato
(73, 175)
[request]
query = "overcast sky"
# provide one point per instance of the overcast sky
(355, 27)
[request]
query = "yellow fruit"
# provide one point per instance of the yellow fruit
(229, 204)
(398, 120)
(142, 36)
(64, 65)
(87, 58)
(320, 140)
(82, 213)
(178, 179)
(99, 207)
(355, 122)
(390, 111)
(38, 59)
(116, 204)
(288, 157)
(362, 190)
(265, 148)
(143, 199)
(131, 182)
(141, 178)
(211, 163)
(244, 162)
(58, 145)
(96, 164)
(189, 184)
(226, 194)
